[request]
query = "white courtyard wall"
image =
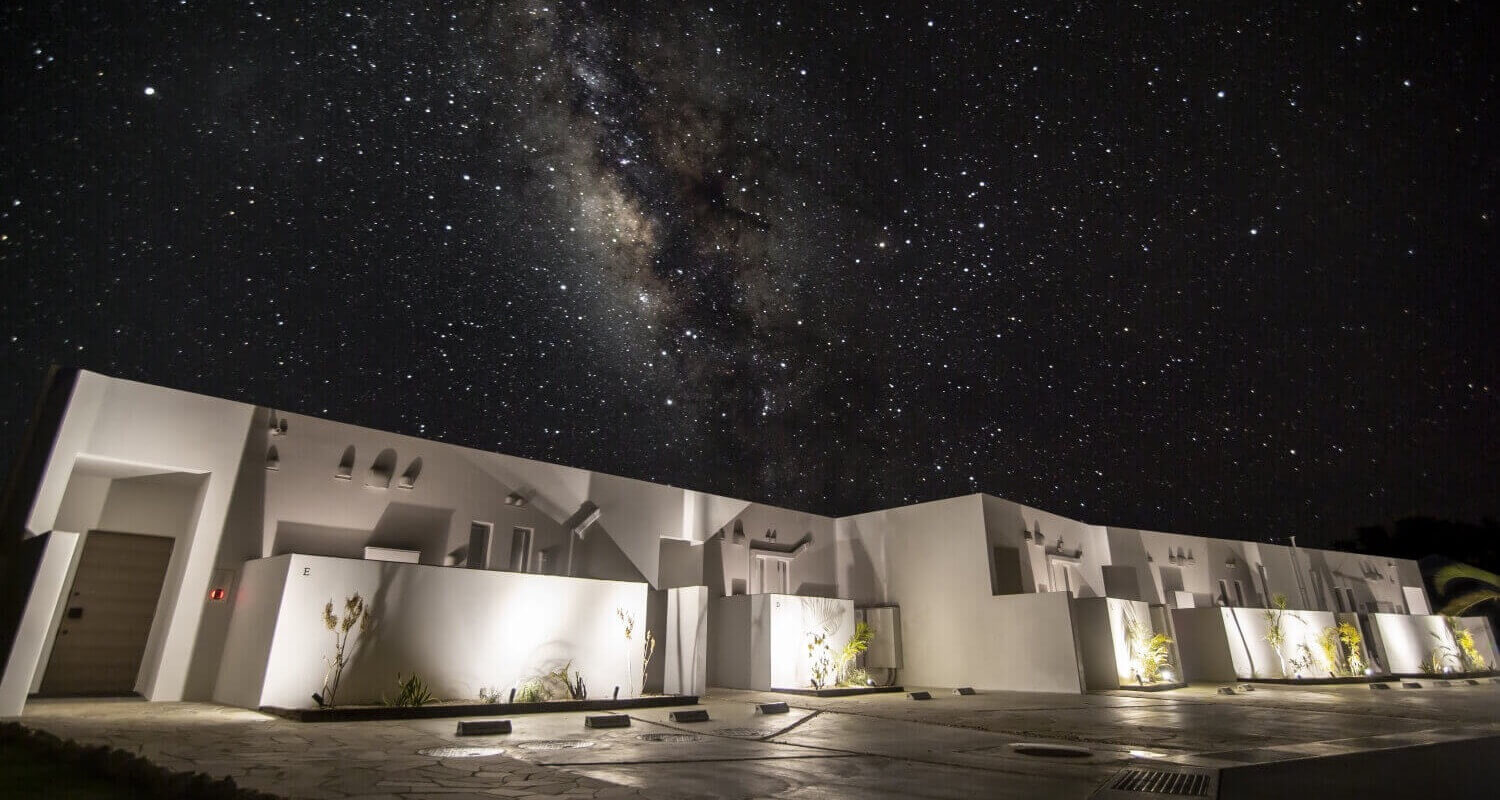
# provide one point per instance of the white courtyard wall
(955, 631)
(458, 629)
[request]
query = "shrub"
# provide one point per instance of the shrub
(414, 692)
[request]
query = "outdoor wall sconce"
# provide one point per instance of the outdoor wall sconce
(1230, 562)
(1190, 558)
(515, 499)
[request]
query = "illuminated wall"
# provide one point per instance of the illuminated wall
(458, 629)
(760, 641)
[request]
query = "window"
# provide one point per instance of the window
(479, 545)
(1239, 594)
(346, 465)
(771, 574)
(1222, 598)
(520, 549)
(273, 458)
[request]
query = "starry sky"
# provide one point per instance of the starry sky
(1222, 268)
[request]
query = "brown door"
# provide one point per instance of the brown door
(108, 614)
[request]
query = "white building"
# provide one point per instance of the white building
(183, 547)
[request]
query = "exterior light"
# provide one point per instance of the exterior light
(1167, 676)
(1369, 671)
(217, 594)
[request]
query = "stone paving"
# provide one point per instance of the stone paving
(865, 747)
(368, 761)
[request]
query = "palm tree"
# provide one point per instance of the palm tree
(1486, 587)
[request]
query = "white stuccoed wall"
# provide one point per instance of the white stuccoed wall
(22, 671)
(174, 431)
(955, 631)
(459, 629)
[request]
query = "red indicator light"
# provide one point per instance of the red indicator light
(217, 594)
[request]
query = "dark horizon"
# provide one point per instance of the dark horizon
(1198, 271)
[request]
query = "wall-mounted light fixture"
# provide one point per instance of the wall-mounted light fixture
(217, 594)
(515, 499)
(1231, 562)
(1190, 558)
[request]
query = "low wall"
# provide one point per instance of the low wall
(1407, 641)
(459, 629)
(760, 641)
(1224, 644)
(1103, 625)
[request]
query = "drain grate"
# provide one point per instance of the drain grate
(460, 752)
(1050, 750)
(750, 733)
(667, 737)
(1161, 781)
(555, 744)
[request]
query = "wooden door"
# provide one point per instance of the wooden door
(108, 614)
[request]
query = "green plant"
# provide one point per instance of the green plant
(414, 692)
(1353, 642)
(573, 684)
(1440, 660)
(820, 660)
(1303, 662)
(355, 614)
(1485, 590)
(1328, 642)
(1150, 652)
(844, 663)
(1468, 654)
(489, 696)
(533, 690)
(1276, 632)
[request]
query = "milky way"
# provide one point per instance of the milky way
(1216, 271)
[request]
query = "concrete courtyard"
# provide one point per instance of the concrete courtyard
(865, 747)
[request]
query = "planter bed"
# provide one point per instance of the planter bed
(437, 710)
(1154, 687)
(1319, 681)
(842, 691)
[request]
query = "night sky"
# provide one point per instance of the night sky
(1225, 269)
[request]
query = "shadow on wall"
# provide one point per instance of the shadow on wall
(407, 526)
(241, 542)
(863, 583)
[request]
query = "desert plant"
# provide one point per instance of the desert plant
(1275, 632)
(821, 618)
(356, 614)
(858, 643)
(646, 654)
(1303, 662)
(533, 690)
(489, 696)
(414, 692)
(819, 658)
(1328, 642)
(627, 623)
(1468, 654)
(1150, 651)
(572, 684)
(1352, 641)
(1441, 659)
